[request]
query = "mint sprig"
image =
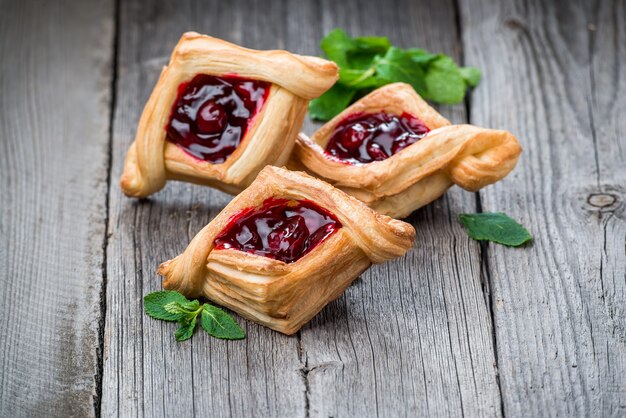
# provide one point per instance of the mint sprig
(168, 305)
(219, 324)
(369, 62)
(186, 328)
(496, 227)
(155, 305)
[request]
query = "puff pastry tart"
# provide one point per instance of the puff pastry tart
(220, 113)
(394, 152)
(284, 248)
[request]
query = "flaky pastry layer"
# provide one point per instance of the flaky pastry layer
(466, 155)
(279, 295)
(152, 160)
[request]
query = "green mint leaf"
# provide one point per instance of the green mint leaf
(336, 46)
(184, 308)
(420, 56)
(444, 82)
(377, 44)
(397, 65)
(365, 50)
(193, 305)
(360, 79)
(186, 328)
(355, 53)
(155, 302)
(361, 60)
(496, 227)
(219, 324)
(172, 306)
(369, 62)
(331, 103)
(471, 75)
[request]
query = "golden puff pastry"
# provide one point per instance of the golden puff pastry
(231, 111)
(397, 184)
(263, 255)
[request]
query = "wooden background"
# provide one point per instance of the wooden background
(455, 328)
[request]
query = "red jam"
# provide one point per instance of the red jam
(363, 138)
(211, 114)
(281, 229)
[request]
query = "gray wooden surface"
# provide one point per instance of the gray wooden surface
(55, 76)
(454, 328)
(558, 305)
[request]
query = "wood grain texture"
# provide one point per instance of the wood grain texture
(555, 75)
(55, 73)
(145, 371)
(411, 337)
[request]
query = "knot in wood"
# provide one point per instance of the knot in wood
(601, 200)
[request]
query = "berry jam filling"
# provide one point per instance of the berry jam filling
(211, 114)
(363, 138)
(281, 229)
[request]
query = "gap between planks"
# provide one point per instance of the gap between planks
(486, 275)
(97, 402)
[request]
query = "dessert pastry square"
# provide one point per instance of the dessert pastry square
(284, 248)
(395, 153)
(219, 113)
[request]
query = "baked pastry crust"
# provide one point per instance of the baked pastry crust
(279, 295)
(466, 155)
(296, 79)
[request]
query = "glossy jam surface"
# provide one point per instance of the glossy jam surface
(363, 138)
(281, 229)
(211, 114)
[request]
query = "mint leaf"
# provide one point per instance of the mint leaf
(369, 62)
(172, 306)
(184, 308)
(496, 227)
(155, 302)
(336, 46)
(358, 60)
(331, 103)
(444, 82)
(397, 65)
(365, 50)
(350, 52)
(420, 56)
(186, 328)
(360, 79)
(377, 44)
(471, 75)
(219, 324)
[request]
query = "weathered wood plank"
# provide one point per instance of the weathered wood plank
(412, 337)
(555, 74)
(607, 204)
(433, 366)
(145, 371)
(437, 357)
(54, 117)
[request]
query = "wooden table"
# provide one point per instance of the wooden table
(454, 328)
